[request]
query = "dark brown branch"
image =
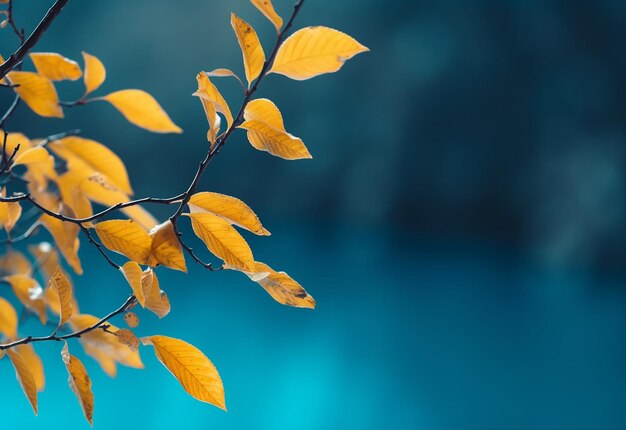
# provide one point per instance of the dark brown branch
(99, 247)
(32, 40)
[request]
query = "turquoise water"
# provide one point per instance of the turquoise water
(406, 335)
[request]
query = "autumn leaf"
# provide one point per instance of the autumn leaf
(222, 73)
(230, 208)
(24, 377)
(8, 319)
(156, 299)
(95, 73)
(55, 67)
(222, 239)
(313, 51)
(128, 338)
(208, 91)
(166, 249)
(133, 273)
(253, 55)
(65, 235)
(195, 372)
(131, 319)
(34, 363)
(125, 237)
(141, 109)
(14, 263)
(79, 382)
(266, 8)
(32, 155)
(10, 213)
(37, 92)
(63, 288)
(29, 293)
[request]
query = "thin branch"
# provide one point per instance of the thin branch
(53, 137)
(9, 111)
(28, 233)
(99, 247)
(32, 40)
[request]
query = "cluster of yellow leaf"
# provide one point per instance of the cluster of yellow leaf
(37, 90)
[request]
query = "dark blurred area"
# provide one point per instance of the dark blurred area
(462, 223)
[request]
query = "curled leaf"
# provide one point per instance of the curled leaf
(95, 73)
(253, 55)
(79, 382)
(166, 249)
(266, 8)
(133, 273)
(230, 208)
(24, 377)
(55, 66)
(131, 319)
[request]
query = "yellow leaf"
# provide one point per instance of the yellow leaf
(79, 381)
(166, 249)
(34, 363)
(128, 338)
(141, 109)
(213, 119)
(65, 235)
(222, 239)
(209, 92)
(96, 156)
(105, 342)
(266, 8)
(132, 320)
(8, 319)
(253, 55)
(275, 141)
(95, 73)
(221, 73)
(156, 299)
(133, 273)
(230, 208)
(32, 155)
(37, 92)
(125, 237)
(63, 288)
(107, 364)
(282, 287)
(14, 263)
(10, 213)
(29, 293)
(14, 139)
(24, 377)
(55, 66)
(313, 51)
(195, 372)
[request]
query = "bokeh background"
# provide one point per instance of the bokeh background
(462, 223)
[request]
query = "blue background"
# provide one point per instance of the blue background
(461, 225)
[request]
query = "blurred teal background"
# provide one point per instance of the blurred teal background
(461, 225)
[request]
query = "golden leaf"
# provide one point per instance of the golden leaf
(132, 320)
(275, 141)
(209, 92)
(125, 237)
(141, 109)
(95, 73)
(222, 73)
(65, 235)
(107, 364)
(24, 377)
(34, 363)
(230, 208)
(128, 338)
(282, 287)
(96, 156)
(266, 8)
(14, 139)
(63, 288)
(55, 66)
(14, 263)
(8, 319)
(166, 249)
(313, 51)
(195, 372)
(222, 239)
(133, 273)
(104, 342)
(29, 293)
(253, 55)
(37, 92)
(79, 382)
(213, 119)
(32, 155)
(156, 299)
(10, 213)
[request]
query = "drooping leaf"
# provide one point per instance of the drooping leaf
(195, 372)
(14, 139)
(222, 239)
(65, 235)
(37, 92)
(275, 141)
(313, 51)
(125, 237)
(32, 155)
(10, 213)
(79, 382)
(230, 208)
(34, 363)
(95, 73)
(156, 299)
(55, 66)
(96, 156)
(141, 109)
(208, 91)
(8, 319)
(222, 73)
(166, 249)
(266, 8)
(63, 288)
(29, 293)
(14, 263)
(253, 55)
(24, 377)
(133, 273)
